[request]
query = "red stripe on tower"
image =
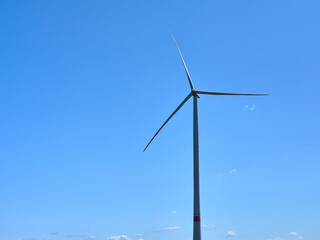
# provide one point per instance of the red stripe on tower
(196, 219)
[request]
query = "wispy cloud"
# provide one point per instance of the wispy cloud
(119, 237)
(139, 236)
(231, 234)
(208, 227)
(174, 212)
(222, 175)
(289, 236)
(295, 235)
(92, 237)
(168, 229)
(233, 171)
(250, 107)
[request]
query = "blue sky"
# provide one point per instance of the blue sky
(85, 84)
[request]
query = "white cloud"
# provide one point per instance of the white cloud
(120, 237)
(293, 234)
(233, 171)
(92, 237)
(174, 212)
(167, 229)
(231, 234)
(139, 236)
(289, 236)
(251, 108)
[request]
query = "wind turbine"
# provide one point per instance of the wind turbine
(196, 190)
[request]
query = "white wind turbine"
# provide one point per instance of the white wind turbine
(196, 190)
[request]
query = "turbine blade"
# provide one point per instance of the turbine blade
(181, 104)
(236, 94)
(184, 64)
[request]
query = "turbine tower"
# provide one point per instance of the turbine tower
(196, 185)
